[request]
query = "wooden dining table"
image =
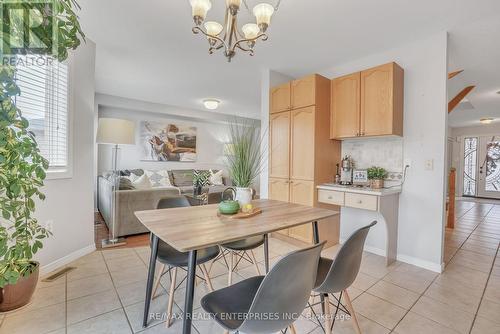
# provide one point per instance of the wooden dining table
(189, 229)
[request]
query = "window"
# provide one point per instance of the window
(470, 163)
(44, 102)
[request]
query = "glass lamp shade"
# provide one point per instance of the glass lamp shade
(213, 28)
(263, 13)
(233, 3)
(250, 30)
(200, 8)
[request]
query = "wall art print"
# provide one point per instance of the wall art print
(162, 141)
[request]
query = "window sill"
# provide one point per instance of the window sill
(57, 174)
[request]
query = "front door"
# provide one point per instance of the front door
(489, 167)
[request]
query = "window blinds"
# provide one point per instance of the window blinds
(44, 102)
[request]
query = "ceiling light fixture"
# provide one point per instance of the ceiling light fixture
(211, 104)
(486, 120)
(232, 38)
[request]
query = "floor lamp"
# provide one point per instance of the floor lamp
(113, 131)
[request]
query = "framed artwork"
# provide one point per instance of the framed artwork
(163, 141)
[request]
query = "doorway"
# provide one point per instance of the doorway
(481, 172)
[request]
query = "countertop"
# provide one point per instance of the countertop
(360, 190)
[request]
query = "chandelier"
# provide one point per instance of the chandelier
(228, 36)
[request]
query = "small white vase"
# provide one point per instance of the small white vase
(244, 196)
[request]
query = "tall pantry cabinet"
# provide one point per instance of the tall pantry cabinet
(301, 153)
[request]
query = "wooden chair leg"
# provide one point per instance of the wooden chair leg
(231, 264)
(157, 283)
(171, 298)
(207, 277)
(327, 315)
(351, 310)
(292, 329)
(255, 262)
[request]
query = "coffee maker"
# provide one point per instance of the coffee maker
(347, 167)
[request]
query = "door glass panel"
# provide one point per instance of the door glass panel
(492, 166)
(470, 159)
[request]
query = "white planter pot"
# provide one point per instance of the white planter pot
(244, 195)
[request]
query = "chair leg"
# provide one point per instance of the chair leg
(292, 329)
(171, 298)
(327, 315)
(351, 310)
(231, 264)
(255, 262)
(157, 283)
(207, 277)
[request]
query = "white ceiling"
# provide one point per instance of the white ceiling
(475, 48)
(146, 50)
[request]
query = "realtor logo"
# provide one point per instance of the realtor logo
(28, 27)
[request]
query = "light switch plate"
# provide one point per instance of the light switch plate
(429, 164)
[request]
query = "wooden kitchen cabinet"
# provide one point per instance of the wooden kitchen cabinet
(279, 189)
(280, 98)
(302, 143)
(279, 144)
(345, 106)
(302, 192)
(368, 103)
(303, 92)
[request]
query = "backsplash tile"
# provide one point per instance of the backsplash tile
(381, 152)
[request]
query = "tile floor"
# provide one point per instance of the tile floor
(105, 293)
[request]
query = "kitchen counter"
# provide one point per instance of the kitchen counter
(360, 190)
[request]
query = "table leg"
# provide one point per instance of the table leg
(188, 303)
(266, 252)
(315, 232)
(151, 276)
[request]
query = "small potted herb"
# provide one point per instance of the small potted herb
(376, 175)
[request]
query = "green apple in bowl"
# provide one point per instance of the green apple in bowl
(229, 207)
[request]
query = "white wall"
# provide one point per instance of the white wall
(68, 209)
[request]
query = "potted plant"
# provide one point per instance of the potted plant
(244, 159)
(23, 169)
(376, 175)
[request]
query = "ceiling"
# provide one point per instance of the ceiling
(475, 49)
(146, 50)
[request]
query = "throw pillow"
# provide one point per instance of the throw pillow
(158, 178)
(126, 184)
(141, 182)
(216, 178)
(182, 177)
(201, 177)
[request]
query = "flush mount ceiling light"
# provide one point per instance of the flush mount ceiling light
(211, 104)
(232, 38)
(486, 120)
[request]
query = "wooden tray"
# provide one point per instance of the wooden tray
(242, 215)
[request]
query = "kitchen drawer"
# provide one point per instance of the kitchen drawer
(331, 197)
(361, 201)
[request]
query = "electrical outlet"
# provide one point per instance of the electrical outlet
(429, 164)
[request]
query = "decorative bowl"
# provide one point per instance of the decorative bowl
(229, 207)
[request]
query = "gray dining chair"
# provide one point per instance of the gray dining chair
(169, 256)
(335, 276)
(282, 294)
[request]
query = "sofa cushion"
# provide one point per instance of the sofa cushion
(158, 178)
(127, 172)
(140, 182)
(216, 178)
(126, 184)
(203, 177)
(182, 177)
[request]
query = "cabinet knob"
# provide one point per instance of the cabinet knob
(329, 197)
(360, 201)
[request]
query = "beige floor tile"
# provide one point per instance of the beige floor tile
(394, 294)
(157, 314)
(473, 260)
(175, 328)
(116, 253)
(444, 314)
(479, 249)
(367, 326)
(95, 256)
(118, 263)
(485, 326)
(413, 323)
(459, 297)
(449, 252)
(364, 281)
(90, 306)
(493, 289)
(135, 292)
(47, 296)
(89, 286)
(496, 269)
(410, 277)
(331, 252)
(378, 310)
(129, 275)
(375, 266)
(464, 276)
(490, 310)
(39, 321)
(59, 281)
(483, 243)
(113, 322)
(87, 270)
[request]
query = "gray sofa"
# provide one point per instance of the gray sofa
(129, 201)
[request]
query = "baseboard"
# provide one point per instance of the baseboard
(66, 259)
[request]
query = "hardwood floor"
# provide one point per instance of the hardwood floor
(101, 232)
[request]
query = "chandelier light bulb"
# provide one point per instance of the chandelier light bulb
(263, 13)
(213, 28)
(250, 30)
(200, 9)
(233, 4)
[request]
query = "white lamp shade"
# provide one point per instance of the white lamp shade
(115, 131)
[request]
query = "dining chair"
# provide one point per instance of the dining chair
(266, 304)
(169, 256)
(335, 276)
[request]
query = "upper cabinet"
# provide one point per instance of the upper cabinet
(368, 103)
(280, 98)
(303, 92)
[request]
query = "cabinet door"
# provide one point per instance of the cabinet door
(279, 190)
(302, 143)
(302, 192)
(279, 145)
(377, 100)
(280, 98)
(345, 106)
(304, 92)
